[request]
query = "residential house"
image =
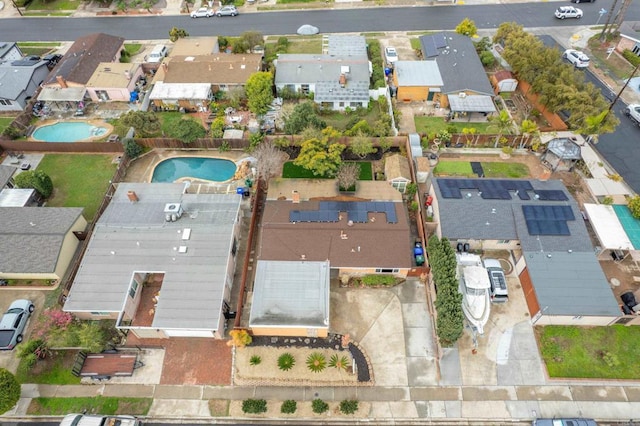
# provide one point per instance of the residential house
(629, 38)
(290, 298)
(541, 226)
(6, 176)
(466, 89)
(160, 262)
(38, 242)
(338, 78)
(417, 80)
(20, 79)
(65, 86)
(190, 82)
(371, 236)
(397, 172)
(10, 51)
(195, 46)
(113, 82)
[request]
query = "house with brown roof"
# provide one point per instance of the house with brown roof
(189, 82)
(113, 82)
(65, 86)
(306, 220)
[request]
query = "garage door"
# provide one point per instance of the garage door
(189, 333)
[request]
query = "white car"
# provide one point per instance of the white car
(568, 12)
(203, 12)
(390, 55)
(576, 57)
(633, 112)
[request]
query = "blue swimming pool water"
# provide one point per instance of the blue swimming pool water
(630, 224)
(213, 169)
(68, 132)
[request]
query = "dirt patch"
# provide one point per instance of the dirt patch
(219, 407)
(268, 373)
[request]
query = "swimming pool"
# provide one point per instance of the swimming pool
(212, 169)
(68, 131)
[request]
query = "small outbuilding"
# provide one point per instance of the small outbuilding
(290, 298)
(397, 172)
(562, 154)
(503, 81)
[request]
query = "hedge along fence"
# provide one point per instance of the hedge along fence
(296, 140)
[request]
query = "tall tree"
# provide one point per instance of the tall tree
(361, 145)
(259, 93)
(321, 156)
(610, 16)
(36, 179)
(269, 160)
(467, 27)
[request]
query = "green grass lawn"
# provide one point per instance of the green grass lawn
(291, 171)
(53, 370)
(340, 120)
(591, 352)
(90, 405)
(432, 125)
(78, 180)
(53, 5)
(491, 169)
(4, 122)
(615, 64)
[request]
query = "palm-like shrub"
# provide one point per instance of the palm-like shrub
(289, 407)
(316, 362)
(286, 361)
(319, 406)
(339, 362)
(255, 360)
(254, 406)
(348, 406)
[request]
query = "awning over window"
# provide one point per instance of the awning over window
(471, 103)
(59, 94)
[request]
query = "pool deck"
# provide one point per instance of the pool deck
(141, 170)
(91, 122)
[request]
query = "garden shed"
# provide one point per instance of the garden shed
(504, 81)
(397, 173)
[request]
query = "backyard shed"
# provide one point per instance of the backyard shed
(504, 81)
(290, 298)
(416, 147)
(422, 169)
(396, 171)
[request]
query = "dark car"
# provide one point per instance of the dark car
(13, 323)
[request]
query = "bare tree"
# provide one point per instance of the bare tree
(269, 160)
(348, 175)
(609, 17)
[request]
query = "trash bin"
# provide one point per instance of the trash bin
(249, 183)
(420, 260)
(240, 190)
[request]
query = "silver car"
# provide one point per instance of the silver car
(203, 12)
(13, 323)
(229, 10)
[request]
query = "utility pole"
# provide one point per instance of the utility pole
(610, 15)
(17, 8)
(613, 102)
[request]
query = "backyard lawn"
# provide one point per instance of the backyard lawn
(291, 171)
(78, 180)
(432, 125)
(4, 123)
(591, 352)
(491, 169)
(90, 405)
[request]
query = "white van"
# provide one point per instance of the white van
(157, 54)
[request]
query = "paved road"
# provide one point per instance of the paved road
(329, 21)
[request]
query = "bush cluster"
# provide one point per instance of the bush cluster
(254, 406)
(378, 280)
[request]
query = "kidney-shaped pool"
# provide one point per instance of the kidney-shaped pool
(68, 131)
(200, 168)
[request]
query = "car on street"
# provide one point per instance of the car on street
(99, 420)
(568, 12)
(582, 1)
(13, 323)
(390, 55)
(229, 10)
(307, 29)
(576, 57)
(633, 112)
(203, 12)
(564, 422)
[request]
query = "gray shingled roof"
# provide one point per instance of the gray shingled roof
(346, 45)
(15, 79)
(475, 218)
(31, 237)
(132, 237)
(5, 46)
(306, 69)
(418, 73)
(6, 173)
(290, 294)
(459, 64)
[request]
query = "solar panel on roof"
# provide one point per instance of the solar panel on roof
(551, 195)
(440, 40)
(430, 49)
(294, 216)
(391, 213)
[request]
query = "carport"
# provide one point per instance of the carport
(471, 107)
(612, 237)
(62, 98)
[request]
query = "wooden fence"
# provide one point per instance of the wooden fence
(555, 122)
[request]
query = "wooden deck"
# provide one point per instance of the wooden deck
(107, 364)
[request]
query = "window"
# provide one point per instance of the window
(132, 290)
(636, 49)
(504, 241)
(100, 314)
(400, 186)
(102, 95)
(386, 271)
(304, 88)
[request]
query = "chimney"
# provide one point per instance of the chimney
(165, 66)
(295, 195)
(343, 80)
(133, 197)
(61, 81)
(230, 66)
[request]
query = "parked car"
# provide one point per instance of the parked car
(568, 12)
(582, 1)
(390, 54)
(564, 422)
(203, 12)
(229, 10)
(99, 420)
(13, 323)
(158, 53)
(498, 292)
(576, 57)
(633, 112)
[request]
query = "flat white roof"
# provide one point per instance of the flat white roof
(197, 91)
(610, 232)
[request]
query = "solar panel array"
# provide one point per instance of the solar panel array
(551, 195)
(432, 43)
(548, 220)
(357, 211)
(488, 189)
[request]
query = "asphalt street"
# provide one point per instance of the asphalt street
(373, 19)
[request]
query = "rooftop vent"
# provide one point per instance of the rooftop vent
(173, 211)
(133, 197)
